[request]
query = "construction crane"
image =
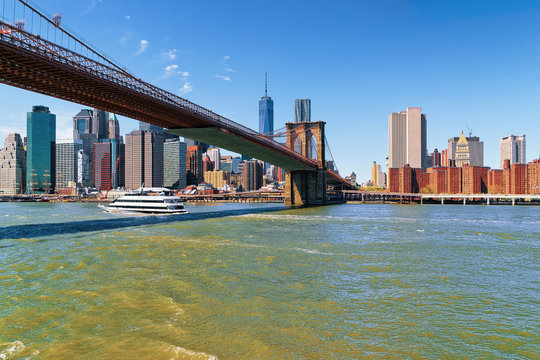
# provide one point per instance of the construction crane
(112, 177)
(469, 130)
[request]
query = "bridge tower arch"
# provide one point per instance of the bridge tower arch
(306, 187)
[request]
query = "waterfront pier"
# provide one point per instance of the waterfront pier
(464, 199)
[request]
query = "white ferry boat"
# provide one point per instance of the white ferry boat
(147, 200)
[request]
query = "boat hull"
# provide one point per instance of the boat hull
(112, 209)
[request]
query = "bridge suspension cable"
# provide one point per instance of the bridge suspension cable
(72, 41)
(331, 156)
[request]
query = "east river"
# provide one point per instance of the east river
(262, 282)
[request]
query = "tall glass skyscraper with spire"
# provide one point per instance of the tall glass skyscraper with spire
(266, 114)
(266, 111)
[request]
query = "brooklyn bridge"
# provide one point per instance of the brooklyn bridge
(38, 54)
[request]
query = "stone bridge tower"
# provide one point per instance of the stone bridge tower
(306, 187)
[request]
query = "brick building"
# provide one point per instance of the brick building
(194, 166)
(406, 179)
(453, 181)
(437, 177)
(533, 174)
(393, 180)
(474, 179)
(496, 181)
(518, 179)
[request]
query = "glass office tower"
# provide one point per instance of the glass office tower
(40, 150)
(266, 112)
(302, 110)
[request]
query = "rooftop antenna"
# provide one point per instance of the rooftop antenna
(265, 84)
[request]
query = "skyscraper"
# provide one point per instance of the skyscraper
(215, 156)
(149, 127)
(266, 114)
(194, 165)
(102, 165)
(302, 110)
(253, 175)
(208, 165)
(12, 166)
(513, 149)
(114, 127)
(407, 138)
(174, 164)
(83, 169)
(66, 162)
(475, 149)
(204, 147)
(83, 130)
(134, 167)
(266, 111)
(436, 157)
(143, 159)
(82, 123)
(100, 124)
(157, 129)
(153, 159)
(40, 150)
(377, 176)
(117, 156)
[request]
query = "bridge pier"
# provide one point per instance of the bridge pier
(306, 187)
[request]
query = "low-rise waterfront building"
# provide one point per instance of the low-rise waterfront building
(218, 178)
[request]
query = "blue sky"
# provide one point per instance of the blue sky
(464, 62)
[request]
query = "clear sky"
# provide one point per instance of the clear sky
(464, 62)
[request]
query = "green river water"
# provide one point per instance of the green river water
(263, 282)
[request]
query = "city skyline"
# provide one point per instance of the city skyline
(471, 90)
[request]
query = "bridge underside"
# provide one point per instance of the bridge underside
(232, 142)
(24, 69)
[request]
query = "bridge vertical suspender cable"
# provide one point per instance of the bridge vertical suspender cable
(331, 156)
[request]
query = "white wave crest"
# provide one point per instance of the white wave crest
(10, 350)
(312, 251)
(180, 353)
(296, 217)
